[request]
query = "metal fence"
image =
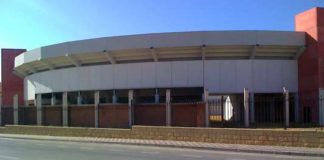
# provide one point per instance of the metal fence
(226, 112)
(266, 111)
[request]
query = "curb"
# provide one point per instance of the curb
(295, 153)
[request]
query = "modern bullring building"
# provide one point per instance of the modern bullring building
(181, 79)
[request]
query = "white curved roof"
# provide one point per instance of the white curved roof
(163, 47)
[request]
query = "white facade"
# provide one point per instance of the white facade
(218, 76)
(220, 61)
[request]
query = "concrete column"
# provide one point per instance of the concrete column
(296, 106)
(97, 101)
(53, 100)
(321, 107)
(79, 99)
(65, 109)
(39, 108)
(26, 103)
(157, 97)
(252, 110)
(130, 107)
(168, 107)
(114, 97)
(206, 97)
(246, 108)
(15, 109)
(286, 102)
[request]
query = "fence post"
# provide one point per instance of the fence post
(206, 97)
(39, 109)
(168, 107)
(321, 107)
(0, 111)
(15, 109)
(96, 101)
(252, 109)
(246, 108)
(65, 110)
(296, 106)
(130, 108)
(286, 95)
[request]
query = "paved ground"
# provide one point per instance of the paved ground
(16, 149)
(181, 144)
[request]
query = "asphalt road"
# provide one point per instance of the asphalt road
(18, 149)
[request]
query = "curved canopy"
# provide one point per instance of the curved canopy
(163, 47)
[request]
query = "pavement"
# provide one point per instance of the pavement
(28, 149)
(296, 151)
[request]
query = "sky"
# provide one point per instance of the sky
(30, 24)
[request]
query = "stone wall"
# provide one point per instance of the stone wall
(296, 138)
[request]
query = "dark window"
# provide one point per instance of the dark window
(106, 96)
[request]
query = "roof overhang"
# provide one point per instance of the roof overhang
(163, 47)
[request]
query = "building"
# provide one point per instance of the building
(156, 79)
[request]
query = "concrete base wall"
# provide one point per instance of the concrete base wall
(295, 138)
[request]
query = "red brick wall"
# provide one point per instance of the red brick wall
(7, 115)
(113, 116)
(81, 116)
(27, 115)
(150, 114)
(11, 84)
(311, 63)
(188, 115)
(52, 115)
(201, 115)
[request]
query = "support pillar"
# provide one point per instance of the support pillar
(246, 108)
(97, 101)
(79, 99)
(26, 103)
(65, 110)
(252, 109)
(53, 100)
(39, 109)
(168, 107)
(15, 109)
(321, 107)
(286, 102)
(206, 97)
(130, 107)
(114, 97)
(157, 97)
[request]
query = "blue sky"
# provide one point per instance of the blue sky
(33, 23)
